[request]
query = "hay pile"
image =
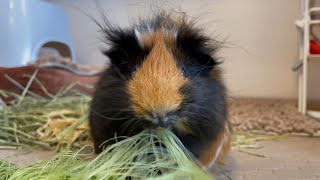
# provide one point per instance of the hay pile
(59, 121)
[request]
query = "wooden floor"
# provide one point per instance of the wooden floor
(291, 158)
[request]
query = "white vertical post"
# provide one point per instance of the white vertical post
(305, 56)
(300, 92)
(301, 52)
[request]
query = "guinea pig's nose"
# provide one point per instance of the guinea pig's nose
(160, 120)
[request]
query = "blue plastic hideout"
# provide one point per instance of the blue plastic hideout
(26, 26)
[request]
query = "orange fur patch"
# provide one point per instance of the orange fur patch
(223, 142)
(155, 86)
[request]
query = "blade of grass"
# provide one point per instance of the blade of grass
(44, 89)
(26, 89)
(20, 86)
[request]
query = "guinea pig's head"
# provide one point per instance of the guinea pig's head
(163, 73)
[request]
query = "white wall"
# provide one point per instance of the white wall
(263, 38)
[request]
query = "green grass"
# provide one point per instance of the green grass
(138, 157)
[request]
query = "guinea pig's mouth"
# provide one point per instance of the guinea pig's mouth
(155, 124)
(159, 120)
(158, 124)
(177, 125)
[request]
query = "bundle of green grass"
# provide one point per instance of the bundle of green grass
(60, 122)
(137, 157)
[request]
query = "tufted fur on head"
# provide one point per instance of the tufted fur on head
(163, 73)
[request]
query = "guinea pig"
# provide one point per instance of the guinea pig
(163, 73)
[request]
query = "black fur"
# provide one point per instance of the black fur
(125, 53)
(204, 104)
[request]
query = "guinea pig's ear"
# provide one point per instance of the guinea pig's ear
(124, 52)
(202, 63)
(204, 59)
(198, 48)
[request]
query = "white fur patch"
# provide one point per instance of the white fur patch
(138, 36)
(149, 30)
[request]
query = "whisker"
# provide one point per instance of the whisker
(109, 118)
(134, 126)
(127, 124)
(116, 110)
(208, 117)
(197, 106)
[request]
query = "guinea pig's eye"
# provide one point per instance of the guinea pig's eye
(134, 70)
(183, 72)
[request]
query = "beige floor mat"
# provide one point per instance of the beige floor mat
(278, 116)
